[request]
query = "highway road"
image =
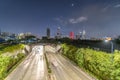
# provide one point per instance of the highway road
(32, 68)
(63, 69)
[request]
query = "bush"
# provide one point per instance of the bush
(4, 63)
(13, 48)
(20, 55)
(103, 65)
(7, 62)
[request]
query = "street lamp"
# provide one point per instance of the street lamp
(112, 49)
(112, 46)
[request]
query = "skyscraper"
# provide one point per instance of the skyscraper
(79, 35)
(83, 34)
(48, 33)
(58, 33)
(71, 35)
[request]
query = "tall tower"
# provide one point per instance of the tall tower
(58, 33)
(48, 33)
(71, 35)
(83, 34)
(79, 35)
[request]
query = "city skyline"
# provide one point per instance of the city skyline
(98, 18)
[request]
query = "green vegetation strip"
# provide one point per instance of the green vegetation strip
(48, 65)
(12, 68)
(105, 66)
(10, 48)
(8, 63)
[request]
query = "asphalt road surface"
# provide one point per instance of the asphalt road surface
(32, 68)
(63, 69)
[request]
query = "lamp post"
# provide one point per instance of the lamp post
(112, 51)
(112, 46)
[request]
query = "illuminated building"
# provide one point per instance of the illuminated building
(71, 35)
(58, 33)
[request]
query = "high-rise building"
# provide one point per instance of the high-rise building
(83, 34)
(58, 36)
(79, 35)
(71, 35)
(48, 33)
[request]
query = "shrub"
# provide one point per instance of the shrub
(103, 65)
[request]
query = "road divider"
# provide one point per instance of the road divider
(48, 64)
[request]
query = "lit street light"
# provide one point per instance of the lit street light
(112, 49)
(112, 46)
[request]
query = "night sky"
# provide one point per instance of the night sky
(98, 18)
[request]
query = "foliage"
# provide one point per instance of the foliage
(116, 68)
(12, 48)
(7, 62)
(104, 65)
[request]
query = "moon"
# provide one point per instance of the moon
(72, 5)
